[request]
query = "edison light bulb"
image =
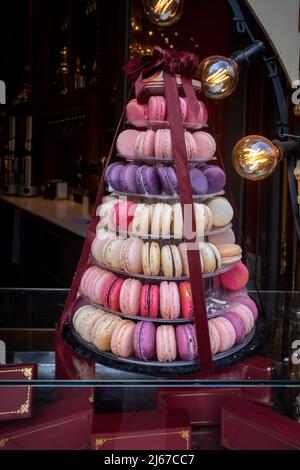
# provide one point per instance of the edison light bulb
(297, 110)
(254, 157)
(163, 12)
(219, 76)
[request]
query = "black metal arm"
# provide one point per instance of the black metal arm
(271, 64)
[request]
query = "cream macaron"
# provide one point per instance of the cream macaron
(203, 219)
(80, 316)
(141, 222)
(171, 261)
(210, 256)
(161, 220)
(97, 246)
(151, 258)
(89, 323)
(183, 247)
(230, 253)
(222, 211)
(103, 331)
(104, 210)
(177, 221)
(111, 252)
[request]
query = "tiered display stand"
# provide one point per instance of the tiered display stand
(206, 286)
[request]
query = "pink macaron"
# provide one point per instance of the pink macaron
(223, 238)
(144, 340)
(169, 300)
(201, 117)
(98, 244)
(163, 143)
(111, 294)
(183, 109)
(246, 315)
(87, 277)
(122, 339)
(205, 143)
(149, 302)
(96, 288)
(157, 108)
(131, 255)
(226, 333)
(186, 299)
(136, 113)
(144, 144)
(186, 342)
(238, 325)
(121, 215)
(125, 142)
(236, 278)
(92, 283)
(166, 349)
(130, 295)
(251, 305)
(190, 144)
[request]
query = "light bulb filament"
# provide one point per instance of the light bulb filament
(254, 159)
(220, 76)
(162, 6)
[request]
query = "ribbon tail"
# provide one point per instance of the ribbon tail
(191, 96)
(186, 200)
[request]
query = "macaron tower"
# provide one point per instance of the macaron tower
(134, 305)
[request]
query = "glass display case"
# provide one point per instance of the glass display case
(269, 379)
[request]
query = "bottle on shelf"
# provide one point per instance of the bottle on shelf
(11, 163)
(79, 75)
(63, 70)
(93, 74)
(27, 186)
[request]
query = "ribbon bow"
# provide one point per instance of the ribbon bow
(182, 63)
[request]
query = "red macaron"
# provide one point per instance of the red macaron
(149, 301)
(186, 299)
(111, 294)
(122, 215)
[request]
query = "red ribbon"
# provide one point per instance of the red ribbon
(181, 63)
(186, 198)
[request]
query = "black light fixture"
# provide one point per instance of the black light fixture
(255, 157)
(219, 75)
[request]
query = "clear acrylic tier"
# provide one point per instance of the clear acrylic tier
(153, 124)
(161, 277)
(155, 236)
(163, 197)
(168, 160)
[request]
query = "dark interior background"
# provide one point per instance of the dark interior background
(79, 125)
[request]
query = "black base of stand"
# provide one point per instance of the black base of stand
(249, 347)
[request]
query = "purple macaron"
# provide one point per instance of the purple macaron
(112, 175)
(168, 179)
(128, 179)
(144, 340)
(198, 180)
(216, 178)
(238, 325)
(186, 342)
(147, 180)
